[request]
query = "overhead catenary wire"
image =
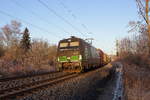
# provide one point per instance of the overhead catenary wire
(67, 9)
(74, 16)
(35, 26)
(59, 16)
(40, 17)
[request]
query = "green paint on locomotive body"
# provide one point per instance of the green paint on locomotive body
(73, 58)
(62, 59)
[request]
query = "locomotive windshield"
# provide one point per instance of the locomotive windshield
(69, 45)
(63, 45)
(72, 44)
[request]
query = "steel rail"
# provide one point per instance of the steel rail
(13, 93)
(25, 76)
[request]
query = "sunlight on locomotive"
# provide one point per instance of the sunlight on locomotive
(74, 43)
(63, 44)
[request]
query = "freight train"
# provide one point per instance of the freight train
(76, 55)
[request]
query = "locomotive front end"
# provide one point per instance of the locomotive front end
(69, 57)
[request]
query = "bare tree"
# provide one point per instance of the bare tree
(143, 9)
(10, 33)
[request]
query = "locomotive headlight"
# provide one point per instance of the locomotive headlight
(58, 59)
(68, 58)
(80, 57)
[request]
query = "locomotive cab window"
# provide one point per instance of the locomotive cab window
(73, 44)
(63, 45)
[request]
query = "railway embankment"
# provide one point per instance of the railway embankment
(82, 87)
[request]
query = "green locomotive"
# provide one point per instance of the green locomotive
(76, 55)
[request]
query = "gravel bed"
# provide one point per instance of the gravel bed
(19, 82)
(78, 88)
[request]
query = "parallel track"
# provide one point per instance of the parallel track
(24, 76)
(12, 93)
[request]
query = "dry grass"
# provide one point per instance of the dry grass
(141, 60)
(136, 82)
(39, 59)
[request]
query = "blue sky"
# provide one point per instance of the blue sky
(106, 20)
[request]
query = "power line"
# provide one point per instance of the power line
(37, 15)
(59, 16)
(40, 28)
(73, 15)
(67, 9)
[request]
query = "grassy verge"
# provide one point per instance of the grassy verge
(136, 82)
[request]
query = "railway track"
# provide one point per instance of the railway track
(20, 91)
(24, 90)
(3, 79)
(20, 81)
